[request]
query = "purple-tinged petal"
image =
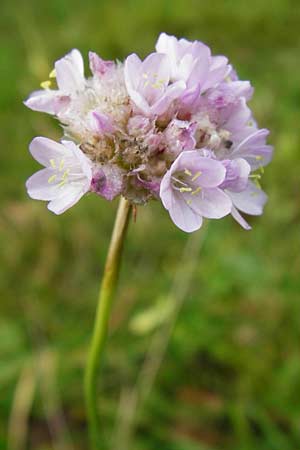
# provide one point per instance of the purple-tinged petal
(240, 219)
(172, 93)
(51, 102)
(183, 216)
(70, 72)
(254, 149)
(210, 203)
(250, 201)
(98, 65)
(211, 173)
(237, 173)
(101, 123)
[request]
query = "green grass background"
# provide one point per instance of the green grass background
(230, 378)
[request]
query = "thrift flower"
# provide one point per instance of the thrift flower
(67, 175)
(190, 190)
(69, 74)
(175, 127)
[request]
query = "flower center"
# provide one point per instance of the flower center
(185, 182)
(61, 174)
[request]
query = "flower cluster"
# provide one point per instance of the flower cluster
(174, 127)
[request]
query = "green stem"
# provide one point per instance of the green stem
(106, 294)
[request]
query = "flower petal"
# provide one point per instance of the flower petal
(183, 216)
(44, 149)
(250, 201)
(70, 195)
(39, 188)
(212, 172)
(48, 101)
(211, 203)
(70, 72)
(240, 219)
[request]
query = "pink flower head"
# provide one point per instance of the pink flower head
(190, 190)
(175, 126)
(67, 175)
(148, 85)
(69, 73)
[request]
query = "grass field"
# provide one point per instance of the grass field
(204, 349)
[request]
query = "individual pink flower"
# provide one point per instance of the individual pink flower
(190, 190)
(148, 85)
(254, 149)
(67, 175)
(69, 73)
(192, 62)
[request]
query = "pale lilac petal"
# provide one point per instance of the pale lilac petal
(39, 188)
(101, 123)
(98, 65)
(154, 78)
(166, 193)
(211, 203)
(237, 173)
(70, 195)
(49, 101)
(44, 149)
(172, 93)
(132, 69)
(183, 216)
(212, 172)
(240, 219)
(254, 149)
(70, 72)
(217, 73)
(250, 201)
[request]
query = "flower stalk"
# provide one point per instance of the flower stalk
(106, 295)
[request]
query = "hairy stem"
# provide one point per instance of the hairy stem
(106, 294)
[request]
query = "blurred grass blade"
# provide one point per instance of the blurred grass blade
(21, 407)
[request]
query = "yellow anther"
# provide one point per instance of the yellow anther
(61, 164)
(259, 157)
(188, 172)
(197, 190)
(52, 74)
(145, 75)
(185, 189)
(52, 162)
(62, 183)
(65, 174)
(197, 175)
(146, 83)
(189, 201)
(45, 84)
(157, 85)
(51, 179)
